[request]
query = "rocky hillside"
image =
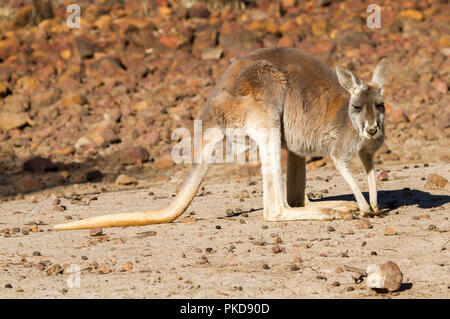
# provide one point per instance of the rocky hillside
(86, 104)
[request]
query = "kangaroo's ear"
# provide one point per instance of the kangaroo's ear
(381, 72)
(348, 80)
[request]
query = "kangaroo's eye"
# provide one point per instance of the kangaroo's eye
(380, 106)
(357, 108)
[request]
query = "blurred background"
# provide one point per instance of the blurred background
(79, 106)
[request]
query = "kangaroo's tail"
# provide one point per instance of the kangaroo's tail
(166, 215)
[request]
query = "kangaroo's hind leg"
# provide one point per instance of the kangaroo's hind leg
(296, 180)
(296, 191)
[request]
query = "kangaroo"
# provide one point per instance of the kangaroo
(286, 98)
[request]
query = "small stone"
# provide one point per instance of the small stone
(211, 53)
(277, 249)
(432, 227)
(54, 269)
(96, 232)
(386, 276)
(435, 182)
(383, 176)
(364, 243)
(373, 253)
(229, 212)
(294, 267)
(330, 229)
(335, 284)
(84, 257)
(350, 288)
(103, 269)
(266, 266)
(363, 223)
(9, 286)
(37, 253)
(126, 180)
(218, 227)
(128, 266)
(388, 231)
(59, 208)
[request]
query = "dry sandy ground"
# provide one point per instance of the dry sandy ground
(168, 261)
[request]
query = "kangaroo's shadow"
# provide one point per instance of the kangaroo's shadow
(393, 199)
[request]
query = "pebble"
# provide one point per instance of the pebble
(96, 232)
(363, 223)
(126, 180)
(8, 286)
(229, 212)
(37, 253)
(388, 231)
(277, 249)
(432, 227)
(103, 269)
(266, 266)
(294, 267)
(330, 229)
(128, 266)
(335, 284)
(350, 288)
(435, 182)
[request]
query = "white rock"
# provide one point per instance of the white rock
(386, 276)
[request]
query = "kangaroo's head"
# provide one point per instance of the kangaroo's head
(366, 107)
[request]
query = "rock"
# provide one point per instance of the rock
(388, 231)
(131, 155)
(9, 120)
(54, 269)
(94, 176)
(435, 182)
(128, 266)
(384, 277)
(396, 115)
(126, 180)
(363, 223)
(85, 47)
(39, 164)
(103, 269)
(211, 53)
(204, 39)
(412, 14)
(101, 135)
(164, 161)
(383, 176)
(28, 183)
(96, 232)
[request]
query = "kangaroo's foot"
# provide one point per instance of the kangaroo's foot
(313, 213)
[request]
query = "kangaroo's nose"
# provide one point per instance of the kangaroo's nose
(372, 131)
